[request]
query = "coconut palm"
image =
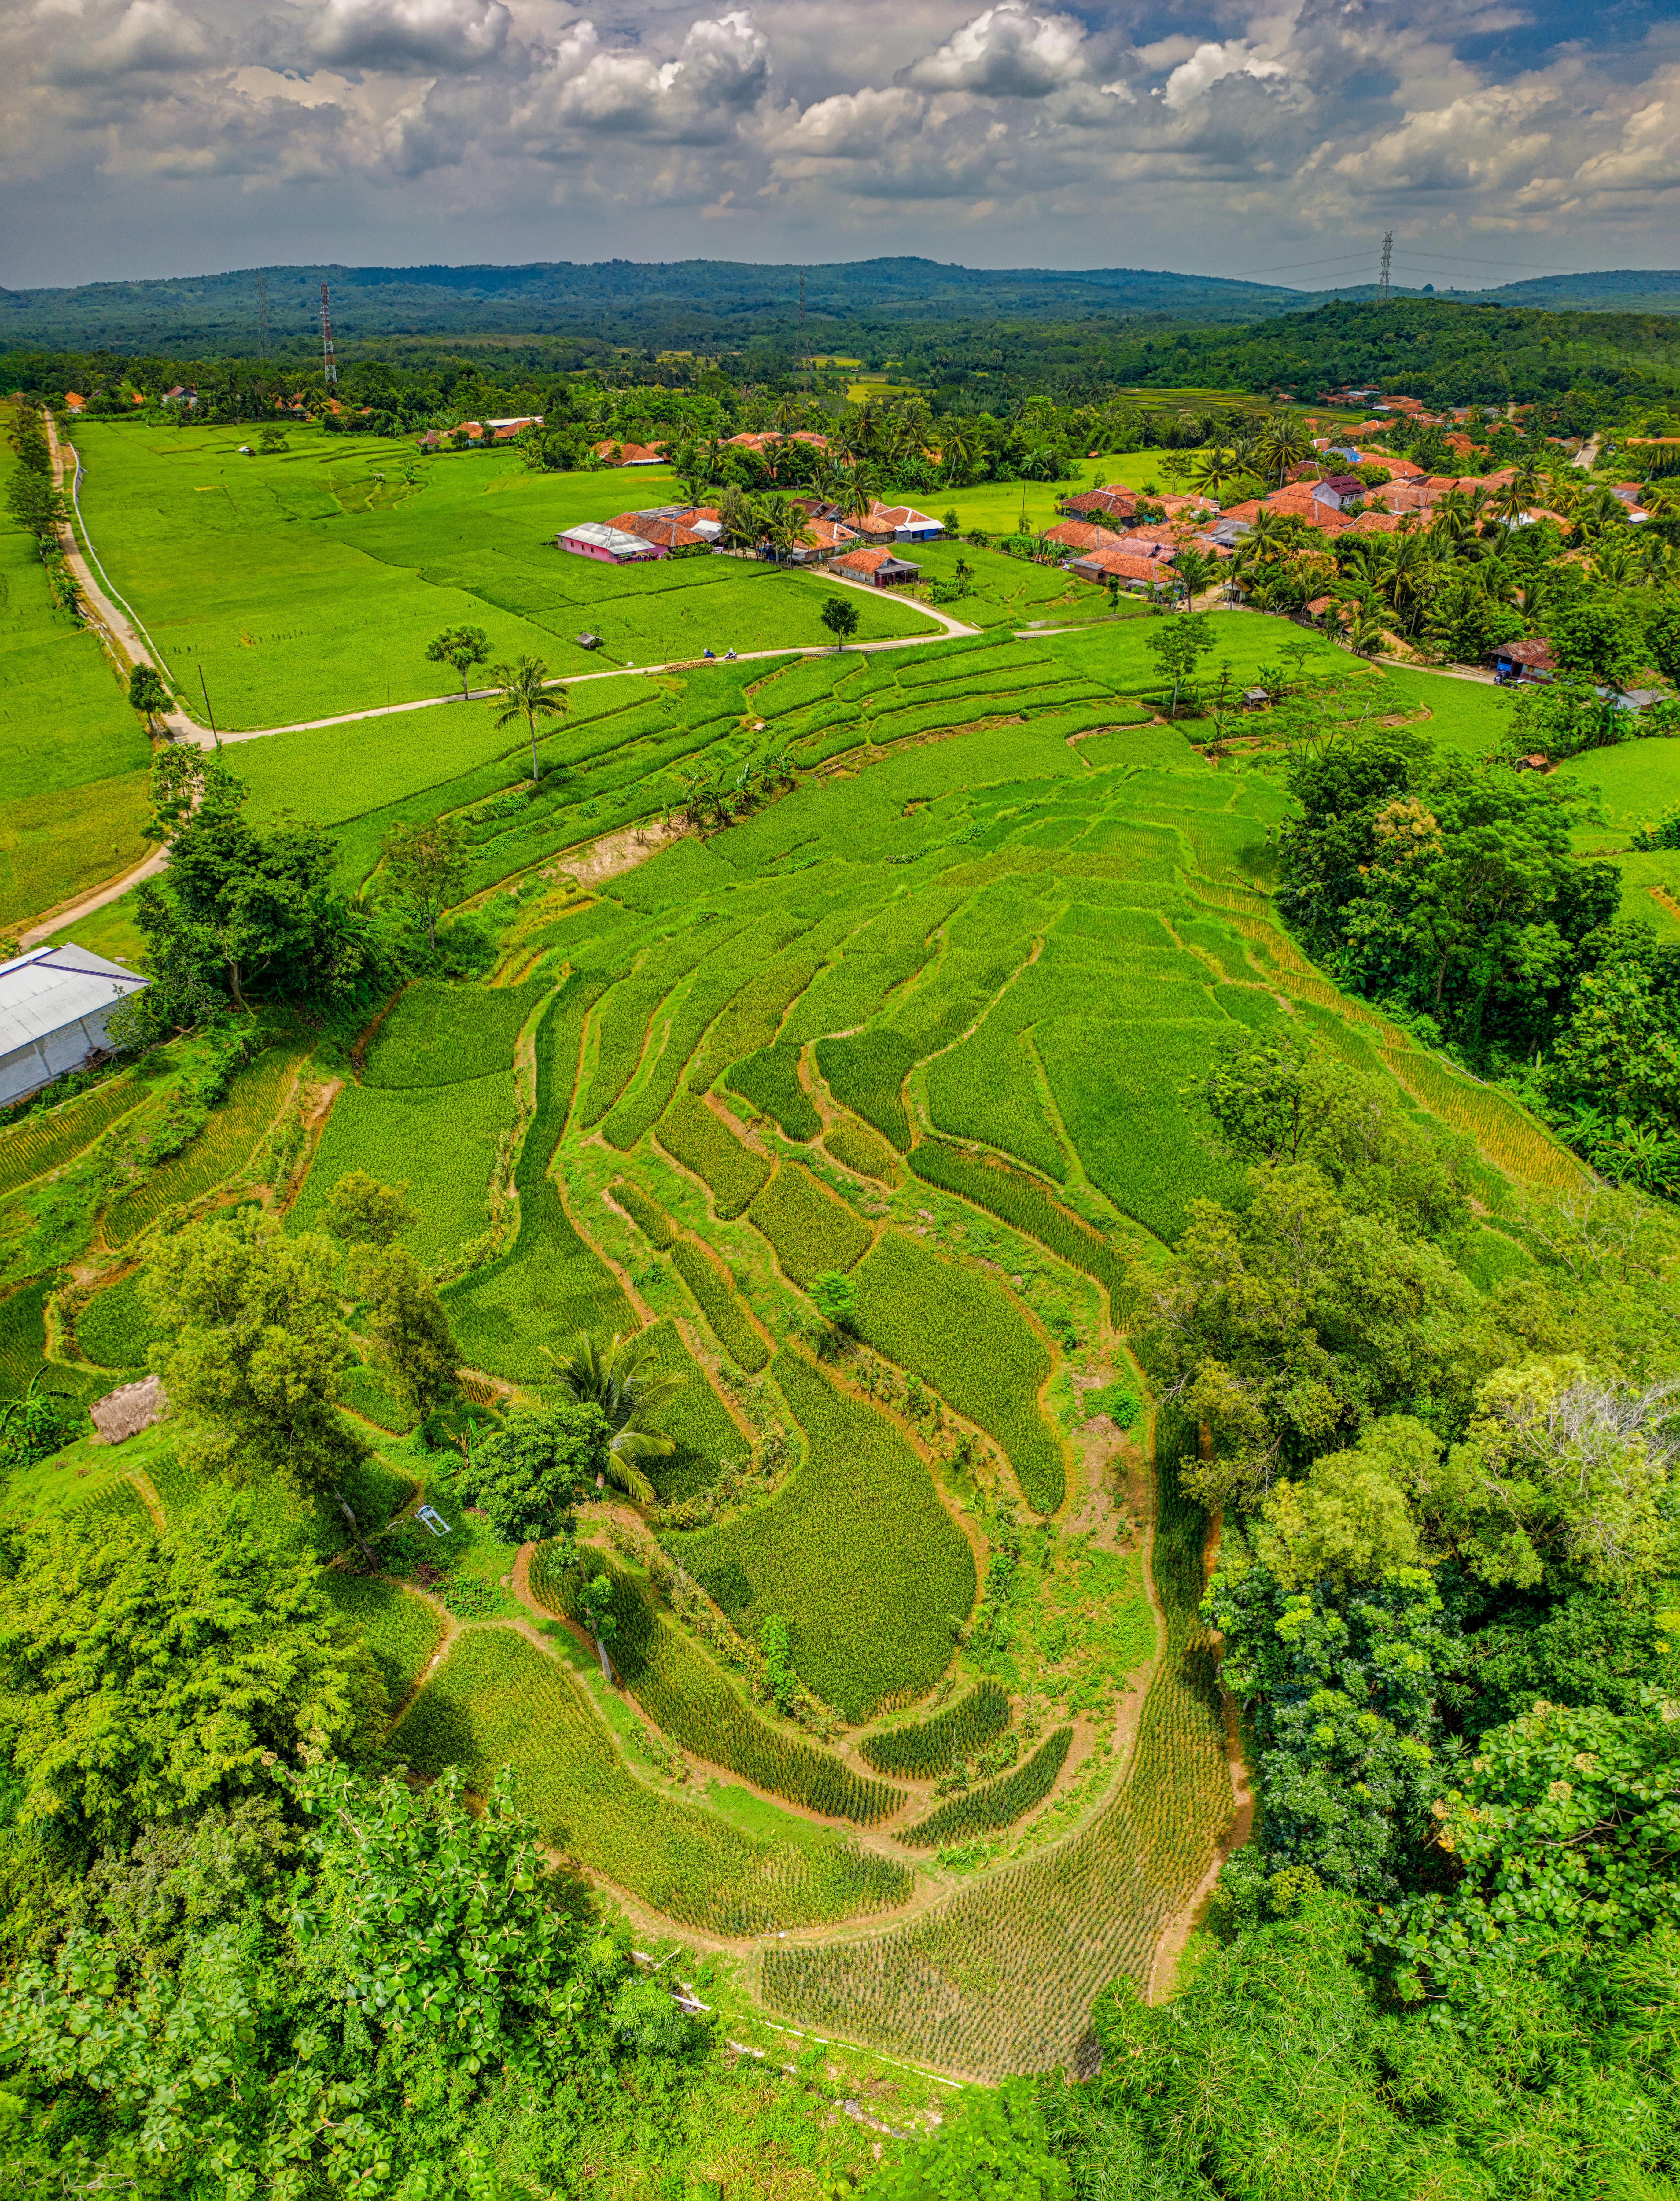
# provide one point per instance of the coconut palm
(958, 456)
(1214, 471)
(1282, 443)
(617, 1378)
(527, 694)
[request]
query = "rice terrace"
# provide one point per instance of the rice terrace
(793, 1021)
(910, 1709)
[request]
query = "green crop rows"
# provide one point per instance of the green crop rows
(402, 1631)
(219, 1152)
(443, 1035)
(855, 1553)
(810, 1229)
(923, 1748)
(439, 1141)
(866, 1073)
(1026, 1205)
(695, 1704)
(859, 1150)
(649, 1216)
(716, 1301)
(498, 1700)
(769, 1080)
(53, 1137)
(998, 1804)
(690, 1134)
(963, 1334)
(114, 1330)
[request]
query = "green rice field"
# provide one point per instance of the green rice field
(873, 1110)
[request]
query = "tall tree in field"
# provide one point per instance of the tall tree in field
(406, 1320)
(427, 865)
(463, 647)
(616, 1377)
(1175, 645)
(526, 694)
(249, 1337)
(841, 618)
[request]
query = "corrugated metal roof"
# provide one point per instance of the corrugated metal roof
(604, 538)
(42, 992)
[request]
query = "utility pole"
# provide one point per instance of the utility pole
(329, 371)
(1381, 280)
(262, 317)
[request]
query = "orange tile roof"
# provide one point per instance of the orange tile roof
(1123, 564)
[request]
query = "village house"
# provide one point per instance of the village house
(55, 1003)
(666, 530)
(1139, 576)
(881, 568)
(907, 524)
(612, 546)
(1079, 535)
(1115, 502)
(631, 455)
(1518, 661)
(832, 538)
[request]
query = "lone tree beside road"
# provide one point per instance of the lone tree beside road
(528, 696)
(841, 618)
(149, 696)
(463, 647)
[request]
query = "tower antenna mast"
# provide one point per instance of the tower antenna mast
(329, 371)
(1381, 280)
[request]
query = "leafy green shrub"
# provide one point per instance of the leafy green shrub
(690, 1134)
(1000, 1803)
(810, 1229)
(721, 1306)
(929, 1746)
(866, 1072)
(769, 1080)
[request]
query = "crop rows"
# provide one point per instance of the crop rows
(219, 1152)
(984, 1089)
(1001, 1977)
(438, 1034)
(440, 1141)
(932, 1746)
(691, 1134)
(694, 1703)
(365, 1392)
(114, 1330)
(53, 1137)
(1025, 1206)
(769, 1080)
(646, 1213)
(965, 1336)
(754, 1017)
(866, 1072)
(861, 1151)
(499, 1700)
(707, 994)
(999, 1803)
(855, 1552)
(1508, 1137)
(809, 1228)
(719, 1302)
(400, 1629)
(550, 1285)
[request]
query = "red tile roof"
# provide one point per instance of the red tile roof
(671, 533)
(1124, 565)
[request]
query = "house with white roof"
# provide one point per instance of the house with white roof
(54, 1005)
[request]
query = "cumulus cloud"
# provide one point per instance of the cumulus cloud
(1008, 52)
(411, 34)
(853, 127)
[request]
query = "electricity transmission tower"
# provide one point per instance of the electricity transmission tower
(1382, 279)
(262, 317)
(329, 371)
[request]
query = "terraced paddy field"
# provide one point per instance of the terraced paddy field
(927, 1023)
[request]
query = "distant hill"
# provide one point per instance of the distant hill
(1615, 290)
(703, 304)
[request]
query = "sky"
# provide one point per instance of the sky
(142, 138)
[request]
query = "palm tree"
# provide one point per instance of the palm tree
(1283, 442)
(1215, 472)
(616, 1377)
(525, 687)
(958, 456)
